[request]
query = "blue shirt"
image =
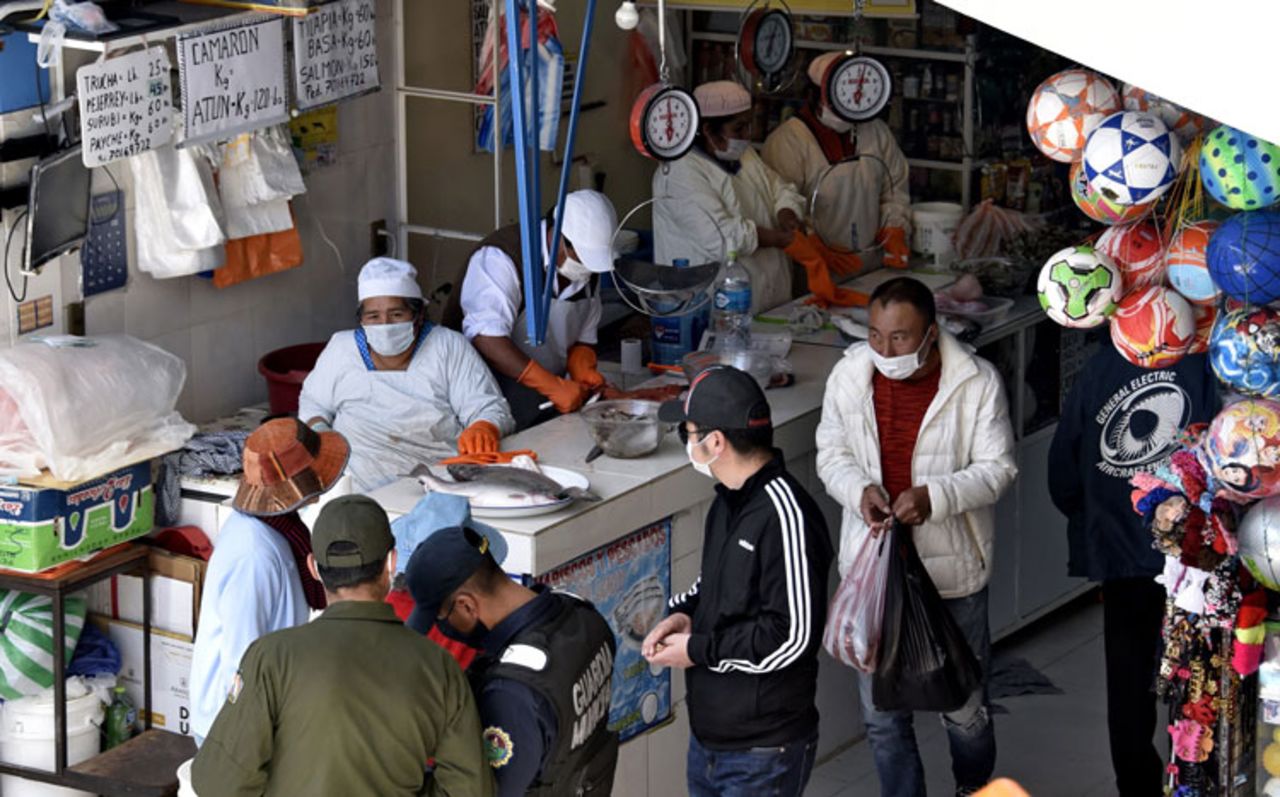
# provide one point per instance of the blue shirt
(252, 588)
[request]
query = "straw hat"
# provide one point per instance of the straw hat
(286, 464)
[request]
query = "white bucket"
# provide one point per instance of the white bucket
(934, 224)
(184, 779)
(27, 738)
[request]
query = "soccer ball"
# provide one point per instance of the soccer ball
(1206, 316)
(1067, 107)
(1153, 327)
(1242, 449)
(1244, 256)
(1132, 158)
(1137, 250)
(1186, 265)
(1079, 287)
(1186, 125)
(1244, 350)
(1259, 538)
(1239, 170)
(1096, 206)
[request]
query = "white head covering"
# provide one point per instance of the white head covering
(721, 98)
(384, 276)
(589, 224)
(818, 66)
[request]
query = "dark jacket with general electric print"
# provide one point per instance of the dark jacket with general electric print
(1120, 419)
(758, 610)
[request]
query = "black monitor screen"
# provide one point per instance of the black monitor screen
(58, 208)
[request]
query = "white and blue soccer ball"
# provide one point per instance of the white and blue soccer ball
(1132, 158)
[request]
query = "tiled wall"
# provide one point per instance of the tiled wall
(222, 333)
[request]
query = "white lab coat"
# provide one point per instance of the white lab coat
(871, 193)
(491, 306)
(697, 200)
(395, 420)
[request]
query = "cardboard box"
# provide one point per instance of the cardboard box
(170, 672)
(45, 523)
(176, 583)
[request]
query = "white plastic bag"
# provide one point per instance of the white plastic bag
(179, 217)
(87, 409)
(255, 185)
(854, 621)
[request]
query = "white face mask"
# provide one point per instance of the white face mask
(701, 467)
(734, 150)
(828, 117)
(903, 366)
(389, 339)
(574, 271)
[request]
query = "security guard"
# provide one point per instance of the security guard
(352, 703)
(544, 679)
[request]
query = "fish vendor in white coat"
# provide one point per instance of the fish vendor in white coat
(402, 391)
(721, 198)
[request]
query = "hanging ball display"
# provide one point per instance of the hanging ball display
(1065, 108)
(1206, 317)
(1186, 266)
(1079, 287)
(1138, 250)
(1244, 349)
(1259, 538)
(1096, 206)
(1244, 257)
(1132, 158)
(1186, 125)
(1240, 170)
(1153, 327)
(1242, 449)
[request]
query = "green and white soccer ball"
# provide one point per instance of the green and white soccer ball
(1079, 287)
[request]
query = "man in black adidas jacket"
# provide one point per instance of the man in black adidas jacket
(747, 632)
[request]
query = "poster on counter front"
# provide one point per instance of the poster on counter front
(233, 80)
(126, 107)
(335, 53)
(629, 581)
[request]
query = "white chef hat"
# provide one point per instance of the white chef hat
(589, 224)
(721, 98)
(818, 66)
(385, 276)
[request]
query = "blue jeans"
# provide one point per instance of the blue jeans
(754, 772)
(970, 731)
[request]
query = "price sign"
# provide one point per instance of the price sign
(126, 107)
(335, 53)
(233, 80)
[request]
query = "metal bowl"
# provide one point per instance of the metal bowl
(757, 363)
(624, 428)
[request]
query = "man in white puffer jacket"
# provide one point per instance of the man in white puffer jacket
(915, 427)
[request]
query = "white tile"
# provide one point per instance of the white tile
(156, 307)
(224, 364)
(104, 314)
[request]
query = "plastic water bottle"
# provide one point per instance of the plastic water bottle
(121, 717)
(732, 315)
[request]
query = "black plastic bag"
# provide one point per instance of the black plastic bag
(925, 663)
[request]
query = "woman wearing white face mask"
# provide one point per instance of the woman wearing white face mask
(721, 198)
(401, 390)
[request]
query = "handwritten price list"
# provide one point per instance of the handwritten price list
(233, 80)
(335, 53)
(126, 106)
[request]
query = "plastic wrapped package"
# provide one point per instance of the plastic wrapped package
(852, 635)
(88, 405)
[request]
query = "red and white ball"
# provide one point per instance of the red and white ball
(1206, 316)
(1185, 263)
(1153, 327)
(1186, 125)
(1139, 252)
(1066, 108)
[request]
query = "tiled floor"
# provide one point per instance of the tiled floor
(1054, 745)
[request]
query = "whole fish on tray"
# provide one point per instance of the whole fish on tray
(500, 485)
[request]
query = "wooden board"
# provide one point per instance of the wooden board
(145, 766)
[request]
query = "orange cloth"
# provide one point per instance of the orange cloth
(582, 367)
(804, 249)
(566, 394)
(489, 458)
(896, 250)
(480, 437)
(258, 256)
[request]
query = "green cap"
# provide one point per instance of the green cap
(352, 531)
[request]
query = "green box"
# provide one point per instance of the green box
(43, 525)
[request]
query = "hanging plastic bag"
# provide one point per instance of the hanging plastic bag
(26, 642)
(281, 177)
(852, 635)
(85, 16)
(258, 256)
(179, 216)
(924, 663)
(550, 66)
(88, 405)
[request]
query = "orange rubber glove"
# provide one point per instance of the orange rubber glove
(803, 250)
(842, 263)
(896, 250)
(489, 458)
(566, 394)
(582, 367)
(480, 437)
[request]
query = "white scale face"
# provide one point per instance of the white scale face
(772, 47)
(859, 88)
(670, 124)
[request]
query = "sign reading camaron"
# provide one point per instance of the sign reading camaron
(232, 80)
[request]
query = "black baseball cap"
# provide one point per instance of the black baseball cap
(351, 531)
(442, 563)
(721, 397)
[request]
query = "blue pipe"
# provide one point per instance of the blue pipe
(536, 322)
(531, 254)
